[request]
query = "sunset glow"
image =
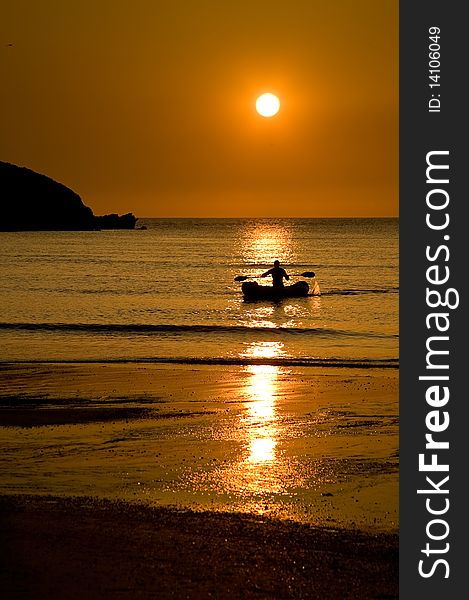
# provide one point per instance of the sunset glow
(153, 111)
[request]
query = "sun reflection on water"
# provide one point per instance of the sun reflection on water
(262, 243)
(261, 471)
(261, 429)
(261, 426)
(262, 450)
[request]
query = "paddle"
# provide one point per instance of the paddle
(244, 277)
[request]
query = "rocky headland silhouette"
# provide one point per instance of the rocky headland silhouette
(34, 202)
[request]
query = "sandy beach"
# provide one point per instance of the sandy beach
(188, 481)
(75, 548)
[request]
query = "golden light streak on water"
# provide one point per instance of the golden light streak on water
(258, 466)
(262, 450)
(264, 243)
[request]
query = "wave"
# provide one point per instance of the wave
(148, 328)
(106, 291)
(292, 266)
(356, 292)
(385, 363)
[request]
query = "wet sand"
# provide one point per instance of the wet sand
(197, 482)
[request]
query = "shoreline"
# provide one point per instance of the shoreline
(71, 547)
(307, 363)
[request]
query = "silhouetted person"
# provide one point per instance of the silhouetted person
(278, 275)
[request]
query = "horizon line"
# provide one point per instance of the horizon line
(270, 217)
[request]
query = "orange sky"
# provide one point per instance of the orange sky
(149, 106)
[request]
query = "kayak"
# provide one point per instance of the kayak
(253, 291)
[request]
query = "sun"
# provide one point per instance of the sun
(267, 105)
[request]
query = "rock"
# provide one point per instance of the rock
(35, 202)
(114, 221)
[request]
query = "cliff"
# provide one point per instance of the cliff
(35, 202)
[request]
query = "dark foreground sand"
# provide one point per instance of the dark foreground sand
(60, 548)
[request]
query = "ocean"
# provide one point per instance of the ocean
(167, 293)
